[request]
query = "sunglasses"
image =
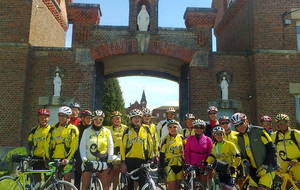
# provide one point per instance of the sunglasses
(218, 134)
(224, 123)
(200, 127)
(239, 124)
(98, 118)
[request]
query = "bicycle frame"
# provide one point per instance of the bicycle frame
(287, 178)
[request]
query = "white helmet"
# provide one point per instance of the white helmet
(135, 112)
(238, 118)
(65, 110)
(98, 113)
(172, 122)
(199, 122)
(146, 111)
(189, 116)
(218, 130)
(171, 110)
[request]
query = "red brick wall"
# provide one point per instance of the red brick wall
(204, 86)
(233, 32)
(13, 64)
(44, 28)
(14, 20)
(269, 30)
(274, 72)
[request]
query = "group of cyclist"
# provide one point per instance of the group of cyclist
(226, 145)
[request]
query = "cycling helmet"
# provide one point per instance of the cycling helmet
(189, 116)
(171, 110)
(135, 112)
(199, 122)
(98, 113)
(65, 110)
(282, 117)
(115, 113)
(43, 112)
(224, 119)
(75, 105)
(146, 111)
(218, 130)
(172, 122)
(238, 118)
(86, 113)
(265, 118)
(212, 109)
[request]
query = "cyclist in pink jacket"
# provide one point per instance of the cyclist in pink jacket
(198, 147)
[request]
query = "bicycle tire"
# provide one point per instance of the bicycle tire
(61, 185)
(10, 183)
(122, 182)
(96, 184)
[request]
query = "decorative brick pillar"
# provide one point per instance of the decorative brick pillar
(201, 21)
(83, 17)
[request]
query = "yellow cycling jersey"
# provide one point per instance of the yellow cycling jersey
(37, 140)
(172, 148)
(265, 138)
(62, 142)
(225, 151)
(117, 134)
(155, 138)
(285, 144)
(96, 144)
(136, 143)
(186, 132)
(232, 137)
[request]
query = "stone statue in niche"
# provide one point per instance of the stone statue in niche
(143, 19)
(57, 83)
(224, 88)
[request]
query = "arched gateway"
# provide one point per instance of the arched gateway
(32, 53)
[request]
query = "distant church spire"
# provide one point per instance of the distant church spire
(143, 100)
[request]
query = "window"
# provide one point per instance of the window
(298, 108)
(164, 115)
(230, 2)
(298, 37)
(177, 115)
(157, 115)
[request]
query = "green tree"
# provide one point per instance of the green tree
(113, 100)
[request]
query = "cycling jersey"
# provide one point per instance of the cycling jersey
(285, 145)
(172, 157)
(37, 140)
(117, 134)
(232, 137)
(197, 149)
(62, 142)
(75, 121)
(136, 143)
(162, 129)
(227, 152)
(187, 132)
(155, 138)
(96, 144)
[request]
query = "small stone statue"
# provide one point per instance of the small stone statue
(143, 19)
(224, 88)
(57, 84)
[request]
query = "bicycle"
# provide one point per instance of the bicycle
(24, 179)
(191, 181)
(135, 174)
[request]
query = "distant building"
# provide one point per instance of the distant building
(137, 105)
(160, 113)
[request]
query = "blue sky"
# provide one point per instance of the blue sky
(116, 12)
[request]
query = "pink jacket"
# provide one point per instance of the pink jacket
(197, 151)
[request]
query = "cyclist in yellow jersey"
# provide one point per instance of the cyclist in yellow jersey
(188, 130)
(226, 152)
(287, 142)
(62, 141)
(37, 140)
(229, 134)
(147, 116)
(171, 156)
(258, 150)
(96, 145)
(136, 147)
(266, 122)
(117, 129)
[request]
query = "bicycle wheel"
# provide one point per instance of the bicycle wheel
(96, 184)
(122, 182)
(10, 183)
(61, 185)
